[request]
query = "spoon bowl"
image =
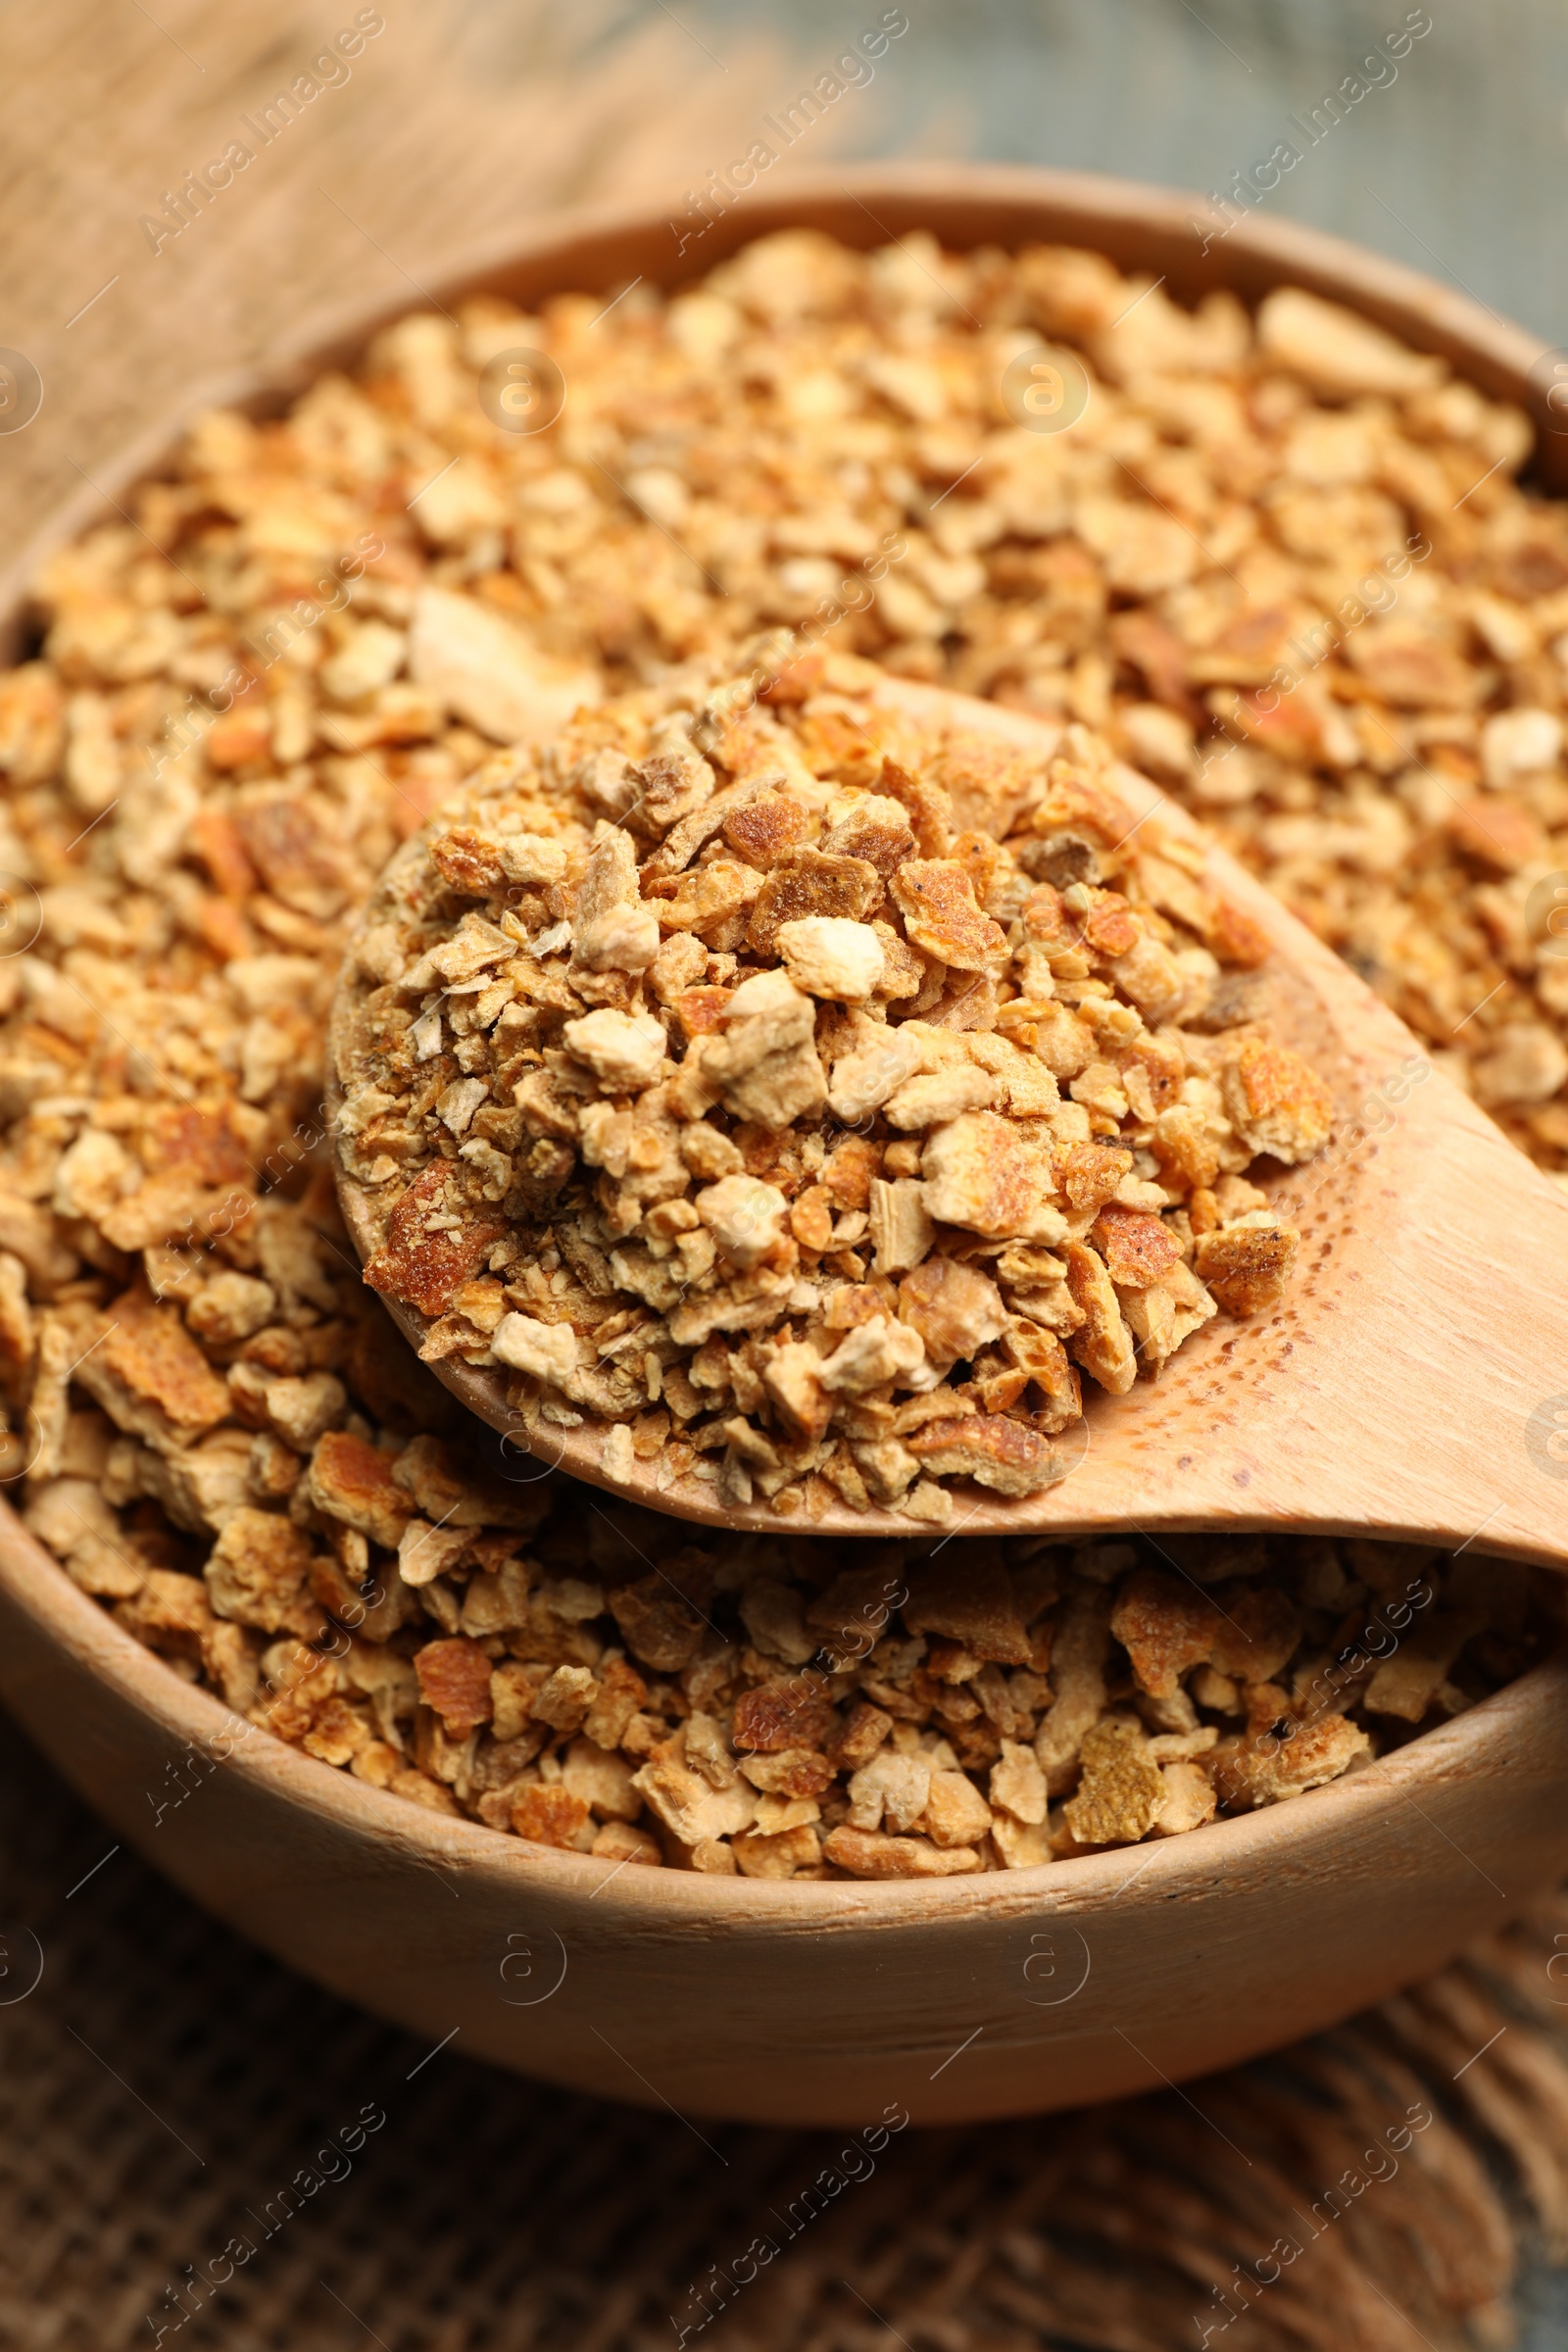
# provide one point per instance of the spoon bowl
(1403, 1387)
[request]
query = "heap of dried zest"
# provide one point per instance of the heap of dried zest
(739, 1099)
(267, 675)
(818, 438)
(230, 1448)
(596, 1680)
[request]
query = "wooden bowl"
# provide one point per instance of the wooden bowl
(824, 2003)
(813, 2003)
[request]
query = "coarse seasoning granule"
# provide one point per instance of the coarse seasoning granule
(1280, 563)
(1284, 562)
(810, 1108)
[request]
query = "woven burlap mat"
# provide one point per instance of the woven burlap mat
(161, 2085)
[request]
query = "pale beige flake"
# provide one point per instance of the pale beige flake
(829, 956)
(625, 1051)
(548, 1351)
(490, 673)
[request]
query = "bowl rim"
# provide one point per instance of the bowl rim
(1256, 253)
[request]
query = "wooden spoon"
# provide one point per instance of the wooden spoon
(1408, 1385)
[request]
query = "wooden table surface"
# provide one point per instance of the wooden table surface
(462, 116)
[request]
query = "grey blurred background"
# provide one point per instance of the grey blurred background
(1460, 167)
